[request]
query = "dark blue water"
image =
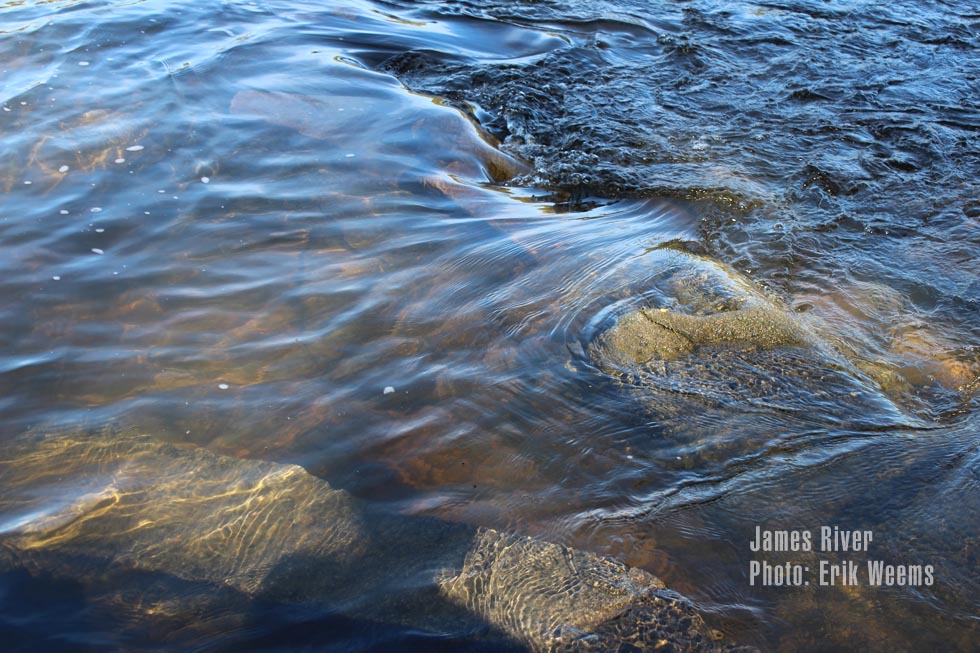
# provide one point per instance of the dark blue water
(376, 240)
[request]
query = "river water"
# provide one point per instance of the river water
(377, 239)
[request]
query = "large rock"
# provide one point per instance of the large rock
(718, 364)
(701, 307)
(554, 598)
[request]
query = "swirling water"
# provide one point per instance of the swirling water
(275, 230)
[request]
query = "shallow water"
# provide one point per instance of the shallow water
(286, 232)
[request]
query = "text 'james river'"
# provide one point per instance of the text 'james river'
(832, 569)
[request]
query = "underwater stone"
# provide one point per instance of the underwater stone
(650, 334)
(710, 305)
(555, 598)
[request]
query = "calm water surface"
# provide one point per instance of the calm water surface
(275, 230)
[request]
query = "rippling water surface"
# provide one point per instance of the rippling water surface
(379, 240)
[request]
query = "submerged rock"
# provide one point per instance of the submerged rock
(262, 530)
(648, 334)
(554, 598)
(697, 303)
(700, 303)
(708, 330)
(719, 364)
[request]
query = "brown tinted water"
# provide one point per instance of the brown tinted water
(289, 232)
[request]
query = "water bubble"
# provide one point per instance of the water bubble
(83, 63)
(56, 278)
(63, 212)
(120, 160)
(205, 180)
(63, 169)
(223, 386)
(98, 251)
(389, 390)
(134, 148)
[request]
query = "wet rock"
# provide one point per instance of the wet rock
(721, 365)
(700, 304)
(586, 603)
(646, 335)
(709, 311)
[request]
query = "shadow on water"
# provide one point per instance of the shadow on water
(381, 241)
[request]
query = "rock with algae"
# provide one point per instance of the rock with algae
(133, 506)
